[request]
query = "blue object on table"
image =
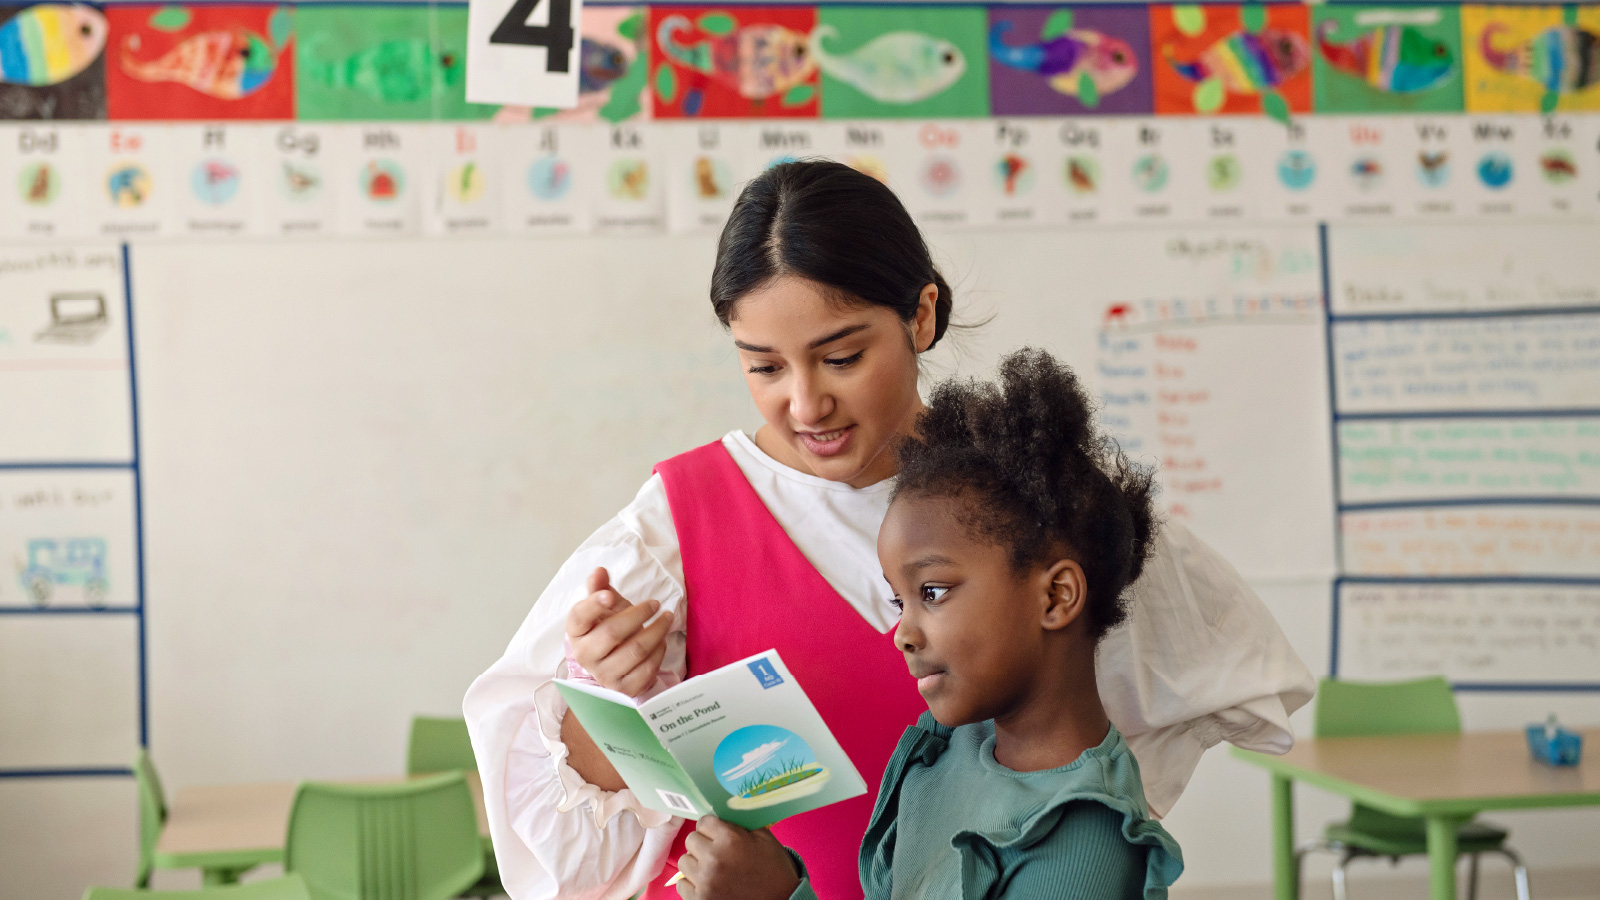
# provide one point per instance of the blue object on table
(1550, 743)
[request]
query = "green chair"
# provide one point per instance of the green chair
(152, 814)
(289, 887)
(415, 840)
(443, 745)
(1424, 706)
(439, 745)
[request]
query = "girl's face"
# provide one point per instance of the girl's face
(836, 384)
(973, 630)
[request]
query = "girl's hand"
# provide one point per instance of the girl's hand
(723, 861)
(610, 640)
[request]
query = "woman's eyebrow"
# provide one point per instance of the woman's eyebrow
(839, 335)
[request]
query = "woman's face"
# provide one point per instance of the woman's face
(835, 383)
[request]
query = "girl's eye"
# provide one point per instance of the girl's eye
(762, 370)
(842, 362)
(898, 603)
(932, 594)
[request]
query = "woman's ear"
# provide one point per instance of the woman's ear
(1068, 593)
(924, 324)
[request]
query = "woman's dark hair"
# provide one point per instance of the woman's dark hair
(1036, 476)
(827, 223)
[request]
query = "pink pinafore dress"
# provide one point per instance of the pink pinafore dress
(749, 588)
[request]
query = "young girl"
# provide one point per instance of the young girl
(768, 538)
(1012, 536)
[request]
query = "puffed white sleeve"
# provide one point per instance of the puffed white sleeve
(556, 835)
(1199, 660)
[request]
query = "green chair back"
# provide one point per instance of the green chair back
(412, 840)
(439, 745)
(152, 813)
(289, 887)
(1359, 709)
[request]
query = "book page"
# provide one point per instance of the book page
(632, 746)
(749, 737)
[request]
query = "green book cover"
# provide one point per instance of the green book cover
(743, 743)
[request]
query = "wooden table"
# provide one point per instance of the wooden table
(1444, 779)
(226, 829)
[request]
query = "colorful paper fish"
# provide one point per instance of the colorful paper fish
(227, 63)
(1079, 63)
(398, 71)
(1246, 63)
(756, 61)
(599, 64)
(1396, 59)
(1563, 58)
(50, 43)
(897, 67)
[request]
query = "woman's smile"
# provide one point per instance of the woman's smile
(827, 443)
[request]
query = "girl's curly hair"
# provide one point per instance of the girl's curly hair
(1037, 476)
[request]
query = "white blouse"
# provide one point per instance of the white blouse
(1200, 660)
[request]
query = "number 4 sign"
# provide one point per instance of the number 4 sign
(523, 52)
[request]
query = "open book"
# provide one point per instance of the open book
(742, 742)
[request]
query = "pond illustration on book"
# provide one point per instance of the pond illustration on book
(764, 765)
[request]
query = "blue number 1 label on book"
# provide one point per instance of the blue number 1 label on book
(523, 52)
(765, 673)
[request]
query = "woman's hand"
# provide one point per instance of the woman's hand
(611, 641)
(722, 860)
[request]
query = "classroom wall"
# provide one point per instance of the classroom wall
(363, 460)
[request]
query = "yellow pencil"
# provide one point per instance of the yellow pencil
(674, 880)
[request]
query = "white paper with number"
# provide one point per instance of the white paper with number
(509, 61)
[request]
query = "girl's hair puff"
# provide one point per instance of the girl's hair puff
(1036, 476)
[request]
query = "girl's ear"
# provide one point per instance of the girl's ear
(1068, 592)
(924, 323)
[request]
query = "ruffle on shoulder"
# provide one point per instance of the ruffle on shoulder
(984, 854)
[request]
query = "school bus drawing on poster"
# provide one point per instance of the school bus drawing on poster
(67, 562)
(1531, 58)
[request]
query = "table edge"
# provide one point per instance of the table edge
(1406, 806)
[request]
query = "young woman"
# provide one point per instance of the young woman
(1012, 534)
(769, 540)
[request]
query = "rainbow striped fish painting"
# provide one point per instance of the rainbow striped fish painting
(1564, 59)
(50, 43)
(1247, 63)
(1396, 59)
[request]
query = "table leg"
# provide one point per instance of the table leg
(1442, 852)
(1285, 871)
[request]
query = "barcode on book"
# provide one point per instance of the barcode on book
(677, 802)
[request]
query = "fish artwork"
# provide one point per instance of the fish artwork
(50, 43)
(1395, 59)
(397, 71)
(1246, 63)
(898, 67)
(226, 64)
(1079, 63)
(1564, 59)
(599, 64)
(756, 61)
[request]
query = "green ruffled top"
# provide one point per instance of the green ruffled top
(951, 823)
